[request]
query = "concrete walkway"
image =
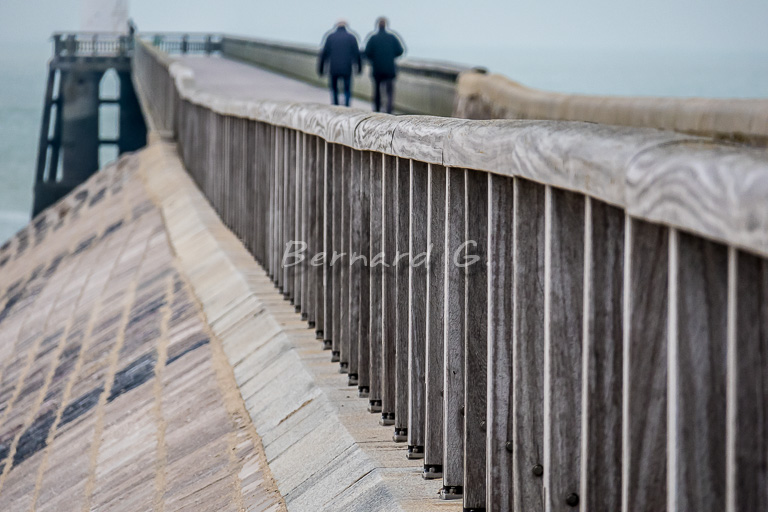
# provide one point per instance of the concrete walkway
(241, 81)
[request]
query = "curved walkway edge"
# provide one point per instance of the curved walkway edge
(325, 450)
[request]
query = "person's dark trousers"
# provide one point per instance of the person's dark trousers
(388, 83)
(335, 88)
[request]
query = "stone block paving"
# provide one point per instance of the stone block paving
(114, 395)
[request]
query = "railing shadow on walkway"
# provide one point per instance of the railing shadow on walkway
(607, 350)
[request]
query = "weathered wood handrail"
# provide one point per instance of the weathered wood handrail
(608, 350)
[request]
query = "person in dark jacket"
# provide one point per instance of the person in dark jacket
(341, 51)
(382, 48)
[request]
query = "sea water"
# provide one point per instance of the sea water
(678, 73)
(720, 74)
(23, 75)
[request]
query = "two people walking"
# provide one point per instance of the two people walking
(341, 53)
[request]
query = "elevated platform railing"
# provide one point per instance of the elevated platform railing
(184, 42)
(553, 315)
(91, 44)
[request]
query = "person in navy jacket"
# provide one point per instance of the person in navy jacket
(340, 53)
(382, 48)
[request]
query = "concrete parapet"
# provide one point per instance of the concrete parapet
(481, 96)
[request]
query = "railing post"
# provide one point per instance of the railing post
(417, 307)
(243, 214)
(501, 264)
(71, 45)
(336, 264)
(476, 340)
(528, 347)
(310, 227)
(389, 289)
(453, 355)
(184, 43)
(363, 335)
(269, 165)
(272, 166)
(401, 265)
(279, 171)
(262, 185)
(563, 335)
(296, 236)
(644, 479)
(57, 45)
(345, 356)
(227, 173)
(251, 201)
(122, 45)
(435, 312)
(318, 228)
(289, 210)
(375, 333)
(208, 45)
(223, 176)
(698, 357)
(603, 357)
(747, 361)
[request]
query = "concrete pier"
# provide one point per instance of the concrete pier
(589, 336)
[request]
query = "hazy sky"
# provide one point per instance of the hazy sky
(636, 24)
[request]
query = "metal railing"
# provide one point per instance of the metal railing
(91, 44)
(110, 44)
(184, 42)
(607, 350)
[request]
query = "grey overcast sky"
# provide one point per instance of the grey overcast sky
(731, 25)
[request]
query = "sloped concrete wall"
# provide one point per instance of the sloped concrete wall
(312, 425)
